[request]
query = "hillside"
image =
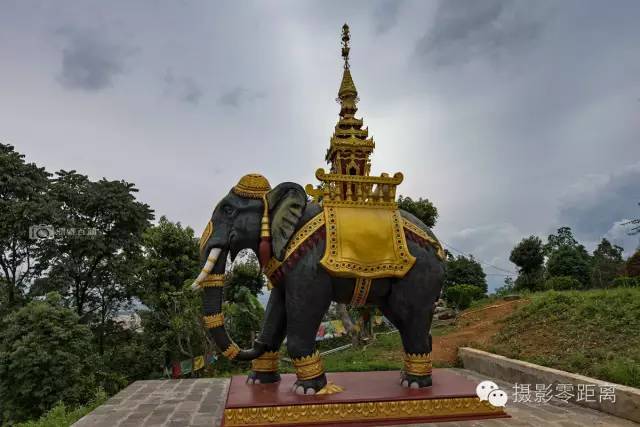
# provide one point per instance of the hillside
(594, 333)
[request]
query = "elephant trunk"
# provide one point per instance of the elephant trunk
(212, 309)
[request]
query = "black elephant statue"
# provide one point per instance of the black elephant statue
(280, 222)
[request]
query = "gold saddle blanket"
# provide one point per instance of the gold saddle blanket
(365, 242)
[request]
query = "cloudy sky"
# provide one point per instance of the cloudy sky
(513, 117)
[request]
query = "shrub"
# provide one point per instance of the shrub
(45, 357)
(562, 283)
(461, 296)
(625, 282)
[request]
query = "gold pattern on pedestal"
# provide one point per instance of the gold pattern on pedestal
(368, 411)
(308, 367)
(417, 364)
(213, 281)
(253, 186)
(330, 388)
(213, 320)
(364, 228)
(268, 362)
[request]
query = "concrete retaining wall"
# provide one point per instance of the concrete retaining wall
(627, 404)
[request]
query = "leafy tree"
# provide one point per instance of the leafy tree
(570, 261)
(607, 264)
(461, 296)
(566, 257)
(528, 255)
(462, 270)
(632, 267)
(563, 238)
(45, 357)
(245, 313)
(23, 204)
(92, 263)
(508, 287)
(172, 322)
(422, 209)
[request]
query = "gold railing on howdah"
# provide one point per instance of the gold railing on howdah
(355, 189)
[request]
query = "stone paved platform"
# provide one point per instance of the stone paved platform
(200, 402)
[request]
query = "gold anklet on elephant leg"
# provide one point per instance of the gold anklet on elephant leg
(268, 362)
(417, 364)
(308, 367)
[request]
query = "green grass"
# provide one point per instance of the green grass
(63, 416)
(594, 333)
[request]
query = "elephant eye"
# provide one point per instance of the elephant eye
(228, 210)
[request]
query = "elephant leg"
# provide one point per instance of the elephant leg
(306, 303)
(413, 319)
(264, 369)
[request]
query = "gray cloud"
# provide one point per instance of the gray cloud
(599, 204)
(238, 96)
(385, 15)
(183, 88)
(464, 30)
(90, 62)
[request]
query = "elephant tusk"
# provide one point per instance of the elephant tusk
(208, 266)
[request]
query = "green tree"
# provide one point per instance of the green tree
(528, 255)
(92, 263)
(461, 296)
(563, 238)
(172, 320)
(23, 204)
(463, 270)
(562, 283)
(245, 313)
(566, 257)
(45, 357)
(607, 264)
(632, 266)
(422, 209)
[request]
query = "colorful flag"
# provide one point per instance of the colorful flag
(175, 370)
(339, 327)
(186, 366)
(198, 363)
(211, 358)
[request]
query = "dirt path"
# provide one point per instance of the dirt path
(473, 326)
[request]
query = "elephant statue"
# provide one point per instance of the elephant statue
(254, 216)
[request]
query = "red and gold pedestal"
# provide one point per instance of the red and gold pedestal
(368, 399)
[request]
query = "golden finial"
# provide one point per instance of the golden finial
(345, 45)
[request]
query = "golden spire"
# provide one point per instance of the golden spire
(349, 139)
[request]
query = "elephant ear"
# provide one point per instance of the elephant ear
(286, 204)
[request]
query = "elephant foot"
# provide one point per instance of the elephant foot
(311, 386)
(415, 381)
(263, 377)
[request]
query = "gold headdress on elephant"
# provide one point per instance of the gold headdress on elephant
(256, 186)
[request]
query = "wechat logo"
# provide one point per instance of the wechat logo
(488, 390)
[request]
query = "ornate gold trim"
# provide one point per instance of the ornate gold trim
(213, 320)
(298, 239)
(417, 364)
(208, 230)
(360, 292)
(253, 186)
(213, 281)
(365, 411)
(308, 367)
(424, 235)
(232, 351)
(268, 362)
